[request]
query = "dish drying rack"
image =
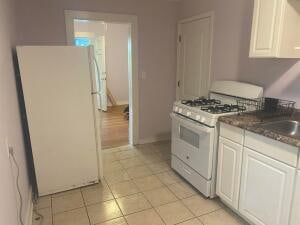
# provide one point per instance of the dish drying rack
(267, 107)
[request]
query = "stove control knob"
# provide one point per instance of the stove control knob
(188, 114)
(176, 109)
(198, 117)
(180, 110)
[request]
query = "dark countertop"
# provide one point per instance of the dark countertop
(249, 121)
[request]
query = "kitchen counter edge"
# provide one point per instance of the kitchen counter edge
(249, 122)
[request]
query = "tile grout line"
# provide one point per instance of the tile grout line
(85, 207)
(141, 192)
(189, 220)
(152, 207)
(68, 210)
(110, 220)
(180, 200)
(114, 197)
(115, 200)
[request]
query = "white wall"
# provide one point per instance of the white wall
(116, 54)
(117, 61)
(10, 126)
(97, 28)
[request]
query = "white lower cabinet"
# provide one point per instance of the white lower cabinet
(229, 169)
(266, 189)
(295, 217)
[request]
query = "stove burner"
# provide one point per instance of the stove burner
(218, 109)
(202, 101)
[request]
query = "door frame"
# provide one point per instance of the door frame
(210, 15)
(70, 15)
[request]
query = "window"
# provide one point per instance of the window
(82, 41)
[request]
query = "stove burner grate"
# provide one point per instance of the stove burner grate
(202, 101)
(218, 109)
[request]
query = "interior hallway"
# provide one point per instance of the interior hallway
(139, 188)
(114, 130)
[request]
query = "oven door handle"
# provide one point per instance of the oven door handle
(188, 122)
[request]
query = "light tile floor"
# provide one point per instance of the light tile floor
(139, 188)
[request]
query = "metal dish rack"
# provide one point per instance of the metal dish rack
(267, 106)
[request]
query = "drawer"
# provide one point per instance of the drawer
(282, 152)
(232, 133)
(192, 176)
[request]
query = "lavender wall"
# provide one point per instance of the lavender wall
(10, 126)
(117, 54)
(41, 22)
(233, 18)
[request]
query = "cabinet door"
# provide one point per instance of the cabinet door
(229, 171)
(295, 219)
(266, 28)
(266, 189)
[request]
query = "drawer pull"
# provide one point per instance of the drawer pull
(187, 157)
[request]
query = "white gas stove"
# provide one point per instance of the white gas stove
(205, 111)
(195, 131)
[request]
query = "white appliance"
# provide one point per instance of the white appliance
(195, 131)
(60, 97)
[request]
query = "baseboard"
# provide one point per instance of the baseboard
(165, 137)
(118, 103)
(29, 213)
(122, 102)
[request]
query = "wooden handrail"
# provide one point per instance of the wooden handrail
(111, 97)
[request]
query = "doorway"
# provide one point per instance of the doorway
(119, 114)
(111, 45)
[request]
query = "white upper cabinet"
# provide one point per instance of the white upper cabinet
(275, 29)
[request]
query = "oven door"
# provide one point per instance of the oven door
(193, 142)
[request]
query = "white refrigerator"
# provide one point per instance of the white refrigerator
(60, 95)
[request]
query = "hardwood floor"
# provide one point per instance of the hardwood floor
(114, 132)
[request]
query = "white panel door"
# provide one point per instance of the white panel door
(265, 28)
(229, 171)
(194, 54)
(100, 55)
(266, 189)
(60, 111)
(295, 218)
